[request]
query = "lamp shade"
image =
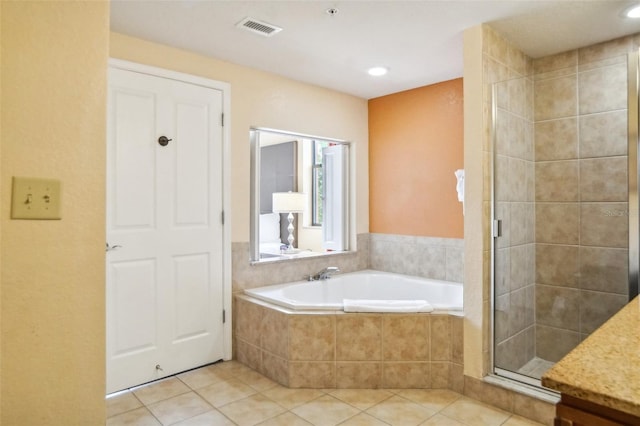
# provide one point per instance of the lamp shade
(289, 202)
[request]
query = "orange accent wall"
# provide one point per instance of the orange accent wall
(415, 146)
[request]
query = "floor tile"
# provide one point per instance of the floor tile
(162, 389)
(179, 408)
(400, 411)
(221, 393)
(204, 376)
(251, 410)
(432, 399)
(361, 398)
(138, 417)
(325, 411)
(210, 418)
(440, 420)
(291, 398)
(285, 419)
(255, 380)
(363, 419)
(475, 413)
(121, 403)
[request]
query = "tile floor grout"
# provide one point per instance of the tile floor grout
(230, 393)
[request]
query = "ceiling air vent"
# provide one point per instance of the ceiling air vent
(258, 27)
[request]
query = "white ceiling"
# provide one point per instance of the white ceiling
(419, 41)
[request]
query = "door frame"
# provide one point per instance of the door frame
(225, 88)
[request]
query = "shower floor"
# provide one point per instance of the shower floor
(536, 367)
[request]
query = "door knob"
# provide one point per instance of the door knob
(164, 141)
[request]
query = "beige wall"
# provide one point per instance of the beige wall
(266, 100)
(52, 284)
(476, 295)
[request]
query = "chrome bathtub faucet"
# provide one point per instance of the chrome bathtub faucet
(325, 274)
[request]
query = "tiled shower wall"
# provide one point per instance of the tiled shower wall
(514, 170)
(581, 192)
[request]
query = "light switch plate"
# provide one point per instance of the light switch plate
(35, 198)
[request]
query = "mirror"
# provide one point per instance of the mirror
(309, 213)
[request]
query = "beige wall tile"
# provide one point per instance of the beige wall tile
(457, 339)
(248, 354)
(397, 375)
(597, 307)
(522, 266)
(405, 337)
(557, 180)
(275, 368)
(440, 338)
(489, 394)
(501, 312)
(521, 310)
(560, 61)
(358, 337)
(603, 89)
(557, 265)
(275, 332)
(502, 271)
(522, 225)
(314, 375)
(518, 61)
(600, 53)
(554, 343)
(558, 307)
(440, 375)
(502, 185)
(514, 352)
(358, 375)
(604, 224)
(604, 269)
(557, 223)
(456, 378)
(248, 321)
(312, 337)
(520, 180)
(556, 139)
(518, 89)
(534, 409)
(603, 179)
(603, 134)
(555, 98)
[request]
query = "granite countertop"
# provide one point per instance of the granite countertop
(605, 367)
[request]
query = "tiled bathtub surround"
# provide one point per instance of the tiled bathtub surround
(246, 275)
(341, 350)
(435, 258)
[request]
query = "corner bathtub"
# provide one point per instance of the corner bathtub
(363, 285)
(298, 335)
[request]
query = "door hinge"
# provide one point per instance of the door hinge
(222, 119)
(224, 316)
(222, 217)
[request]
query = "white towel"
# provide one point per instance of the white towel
(460, 186)
(363, 305)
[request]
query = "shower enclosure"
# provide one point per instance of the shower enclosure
(564, 204)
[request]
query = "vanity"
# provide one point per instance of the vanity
(599, 380)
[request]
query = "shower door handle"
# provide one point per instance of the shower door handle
(497, 228)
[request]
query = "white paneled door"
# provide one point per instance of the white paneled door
(164, 227)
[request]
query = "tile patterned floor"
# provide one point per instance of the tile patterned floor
(228, 393)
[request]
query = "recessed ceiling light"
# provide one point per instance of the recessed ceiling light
(632, 12)
(377, 71)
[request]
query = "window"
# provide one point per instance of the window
(317, 182)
